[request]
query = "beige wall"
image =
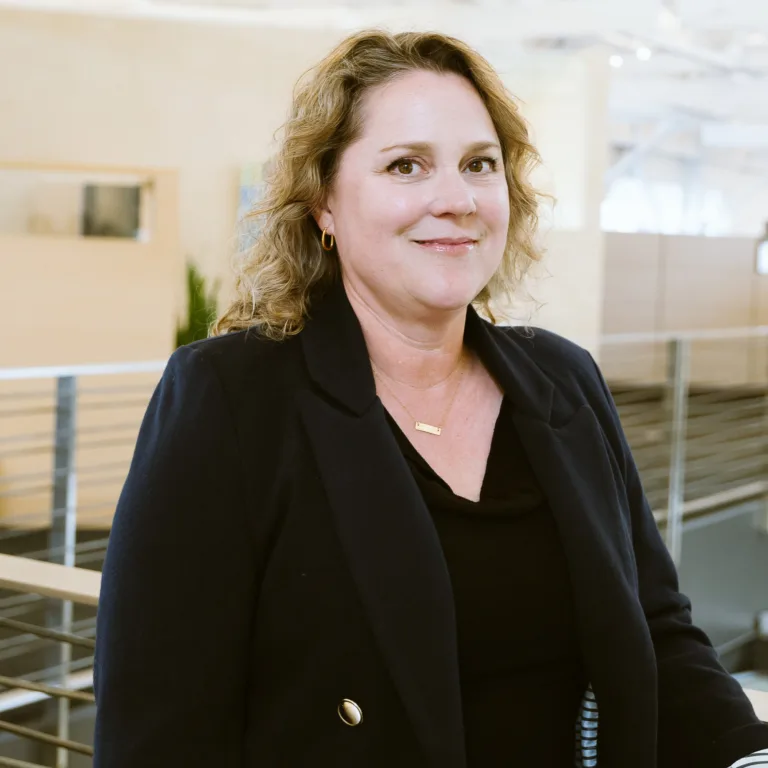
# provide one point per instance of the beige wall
(656, 283)
(90, 92)
(565, 98)
(68, 300)
(200, 99)
(663, 283)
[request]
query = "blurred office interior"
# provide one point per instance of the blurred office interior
(134, 134)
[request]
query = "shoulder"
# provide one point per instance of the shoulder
(575, 375)
(232, 350)
(235, 356)
(562, 360)
(547, 348)
(570, 368)
(250, 371)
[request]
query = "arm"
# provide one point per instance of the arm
(177, 587)
(705, 719)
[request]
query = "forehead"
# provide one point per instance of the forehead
(425, 106)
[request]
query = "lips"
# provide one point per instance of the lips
(448, 245)
(447, 241)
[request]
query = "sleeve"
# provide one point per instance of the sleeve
(705, 718)
(755, 760)
(177, 588)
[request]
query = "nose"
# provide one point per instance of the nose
(452, 195)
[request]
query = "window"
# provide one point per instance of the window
(82, 205)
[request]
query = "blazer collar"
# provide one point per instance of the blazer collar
(338, 363)
(336, 353)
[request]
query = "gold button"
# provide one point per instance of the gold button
(350, 713)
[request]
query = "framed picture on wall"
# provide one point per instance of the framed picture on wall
(253, 177)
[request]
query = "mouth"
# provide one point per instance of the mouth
(448, 244)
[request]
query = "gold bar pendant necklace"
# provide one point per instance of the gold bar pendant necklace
(422, 426)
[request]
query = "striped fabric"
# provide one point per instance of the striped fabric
(587, 725)
(755, 759)
(586, 731)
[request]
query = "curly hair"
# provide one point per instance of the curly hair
(286, 266)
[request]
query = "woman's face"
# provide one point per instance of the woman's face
(420, 206)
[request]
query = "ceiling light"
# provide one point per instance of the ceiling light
(644, 53)
(616, 61)
(669, 21)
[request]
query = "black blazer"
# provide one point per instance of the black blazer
(271, 556)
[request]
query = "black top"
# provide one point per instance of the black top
(522, 676)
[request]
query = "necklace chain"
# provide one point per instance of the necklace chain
(422, 426)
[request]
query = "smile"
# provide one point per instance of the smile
(448, 244)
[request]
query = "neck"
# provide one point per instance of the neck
(419, 352)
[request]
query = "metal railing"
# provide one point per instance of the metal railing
(69, 585)
(694, 406)
(66, 437)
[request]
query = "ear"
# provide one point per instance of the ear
(324, 218)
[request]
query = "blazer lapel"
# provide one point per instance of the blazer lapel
(573, 467)
(569, 456)
(386, 532)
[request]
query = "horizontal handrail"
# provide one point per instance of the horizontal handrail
(47, 690)
(16, 698)
(11, 762)
(45, 738)
(47, 634)
(713, 501)
(156, 366)
(97, 369)
(20, 574)
(714, 334)
(759, 701)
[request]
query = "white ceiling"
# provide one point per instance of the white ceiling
(707, 75)
(717, 13)
(704, 92)
(510, 20)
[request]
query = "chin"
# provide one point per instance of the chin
(445, 300)
(454, 285)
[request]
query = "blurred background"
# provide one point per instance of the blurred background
(134, 134)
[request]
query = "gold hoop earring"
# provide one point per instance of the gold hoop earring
(322, 241)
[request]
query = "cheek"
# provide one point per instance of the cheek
(496, 209)
(390, 211)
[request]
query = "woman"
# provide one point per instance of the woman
(365, 527)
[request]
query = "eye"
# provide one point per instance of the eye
(404, 166)
(482, 164)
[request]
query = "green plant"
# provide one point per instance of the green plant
(201, 308)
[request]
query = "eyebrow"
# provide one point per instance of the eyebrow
(425, 146)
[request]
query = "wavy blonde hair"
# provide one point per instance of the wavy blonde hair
(286, 265)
